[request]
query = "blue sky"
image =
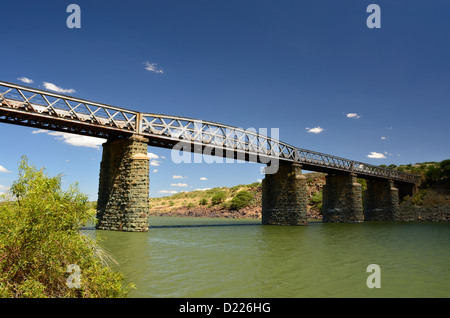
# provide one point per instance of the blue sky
(313, 69)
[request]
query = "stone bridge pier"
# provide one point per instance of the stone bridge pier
(342, 200)
(284, 196)
(381, 201)
(123, 194)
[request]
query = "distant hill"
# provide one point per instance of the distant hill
(240, 201)
(431, 172)
(431, 203)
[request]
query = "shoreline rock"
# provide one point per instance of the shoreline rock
(433, 206)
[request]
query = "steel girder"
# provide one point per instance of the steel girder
(32, 107)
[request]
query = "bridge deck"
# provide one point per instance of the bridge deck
(31, 107)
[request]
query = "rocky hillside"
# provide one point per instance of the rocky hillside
(221, 202)
(431, 203)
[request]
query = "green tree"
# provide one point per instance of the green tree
(434, 173)
(218, 198)
(240, 200)
(40, 238)
(445, 168)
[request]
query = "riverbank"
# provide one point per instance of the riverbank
(202, 203)
(431, 203)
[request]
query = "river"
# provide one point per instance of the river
(203, 257)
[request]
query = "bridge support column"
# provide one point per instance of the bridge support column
(381, 201)
(284, 196)
(406, 189)
(342, 201)
(123, 194)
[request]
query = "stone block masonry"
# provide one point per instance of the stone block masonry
(123, 195)
(284, 196)
(342, 200)
(381, 202)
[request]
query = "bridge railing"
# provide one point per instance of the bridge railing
(251, 142)
(208, 133)
(23, 99)
(17, 100)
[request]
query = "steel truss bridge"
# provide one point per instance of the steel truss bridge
(32, 107)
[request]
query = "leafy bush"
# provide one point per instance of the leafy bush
(203, 202)
(417, 198)
(40, 237)
(316, 200)
(405, 198)
(236, 187)
(445, 168)
(240, 200)
(218, 198)
(363, 183)
(438, 172)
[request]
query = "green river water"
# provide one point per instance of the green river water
(202, 257)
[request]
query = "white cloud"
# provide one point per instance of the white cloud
(383, 138)
(204, 189)
(167, 191)
(3, 169)
(353, 115)
(153, 67)
(155, 170)
(153, 162)
(179, 185)
(72, 139)
(203, 179)
(177, 177)
(58, 89)
(39, 131)
(315, 130)
(3, 189)
(376, 155)
(25, 80)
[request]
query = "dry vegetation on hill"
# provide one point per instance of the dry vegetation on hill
(432, 202)
(241, 201)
